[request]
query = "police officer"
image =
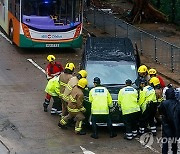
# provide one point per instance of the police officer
(75, 107)
(155, 83)
(170, 110)
(52, 69)
(127, 100)
(148, 104)
(100, 100)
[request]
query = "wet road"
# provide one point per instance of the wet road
(24, 125)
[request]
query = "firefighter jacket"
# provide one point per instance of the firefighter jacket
(147, 95)
(53, 86)
(127, 100)
(53, 70)
(100, 100)
(170, 110)
(159, 95)
(76, 98)
(63, 79)
(70, 85)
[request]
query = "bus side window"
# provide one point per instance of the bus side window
(17, 9)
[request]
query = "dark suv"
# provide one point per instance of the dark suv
(113, 60)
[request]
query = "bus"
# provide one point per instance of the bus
(43, 23)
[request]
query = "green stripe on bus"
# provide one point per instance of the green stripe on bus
(28, 43)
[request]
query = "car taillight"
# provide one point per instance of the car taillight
(26, 31)
(78, 30)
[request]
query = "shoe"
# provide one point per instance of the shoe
(154, 134)
(81, 133)
(94, 136)
(126, 138)
(113, 135)
(45, 109)
(62, 126)
(53, 111)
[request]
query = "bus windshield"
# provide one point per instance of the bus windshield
(62, 9)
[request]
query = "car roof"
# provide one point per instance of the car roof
(109, 49)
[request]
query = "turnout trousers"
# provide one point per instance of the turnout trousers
(78, 117)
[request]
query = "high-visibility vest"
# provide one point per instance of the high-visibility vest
(147, 95)
(53, 86)
(100, 100)
(127, 100)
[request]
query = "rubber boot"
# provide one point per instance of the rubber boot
(45, 105)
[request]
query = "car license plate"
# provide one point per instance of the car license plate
(52, 45)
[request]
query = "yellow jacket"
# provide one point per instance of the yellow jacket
(147, 95)
(100, 100)
(53, 86)
(127, 100)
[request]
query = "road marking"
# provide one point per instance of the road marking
(147, 146)
(86, 151)
(36, 65)
(4, 36)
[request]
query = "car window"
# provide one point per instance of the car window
(111, 72)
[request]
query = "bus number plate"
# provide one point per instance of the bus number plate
(52, 45)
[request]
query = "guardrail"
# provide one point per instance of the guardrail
(149, 45)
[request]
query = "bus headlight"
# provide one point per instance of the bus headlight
(26, 31)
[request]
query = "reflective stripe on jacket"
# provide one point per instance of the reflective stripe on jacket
(127, 100)
(75, 103)
(64, 78)
(147, 95)
(53, 86)
(70, 85)
(100, 99)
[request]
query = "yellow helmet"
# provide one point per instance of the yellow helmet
(70, 66)
(82, 83)
(83, 73)
(51, 58)
(155, 81)
(152, 71)
(142, 69)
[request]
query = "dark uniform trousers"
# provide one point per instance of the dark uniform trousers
(147, 118)
(131, 124)
(57, 105)
(101, 118)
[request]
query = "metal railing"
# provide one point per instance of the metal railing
(149, 45)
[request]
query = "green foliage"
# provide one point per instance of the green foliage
(166, 8)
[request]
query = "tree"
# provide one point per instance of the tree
(143, 11)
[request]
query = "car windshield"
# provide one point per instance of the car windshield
(111, 72)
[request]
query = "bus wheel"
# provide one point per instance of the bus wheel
(11, 31)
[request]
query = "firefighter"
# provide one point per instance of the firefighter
(142, 73)
(72, 83)
(64, 79)
(100, 100)
(148, 104)
(153, 73)
(170, 110)
(55, 86)
(75, 107)
(127, 100)
(53, 69)
(155, 83)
